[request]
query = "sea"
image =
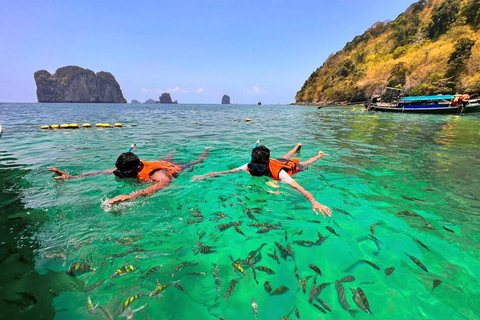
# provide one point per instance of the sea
(402, 241)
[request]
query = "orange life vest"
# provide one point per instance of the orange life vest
(150, 167)
(290, 167)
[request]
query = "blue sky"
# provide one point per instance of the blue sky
(195, 50)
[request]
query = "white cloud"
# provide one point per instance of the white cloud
(176, 90)
(199, 90)
(256, 91)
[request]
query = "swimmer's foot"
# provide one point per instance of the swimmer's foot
(298, 147)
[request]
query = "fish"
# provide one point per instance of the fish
(239, 231)
(319, 308)
(417, 262)
(324, 304)
(254, 273)
(315, 268)
(220, 215)
(331, 230)
(286, 236)
(123, 271)
(238, 267)
(267, 287)
(299, 232)
(423, 245)
(93, 286)
(284, 252)
(372, 228)
(178, 286)
(181, 265)
(90, 307)
(436, 283)
(411, 199)
(196, 273)
(264, 230)
(265, 269)
(127, 303)
(159, 289)
(447, 229)
(304, 284)
(304, 243)
(130, 313)
(150, 271)
(313, 292)
(249, 214)
(224, 226)
(280, 290)
(343, 211)
(205, 250)
(314, 221)
(348, 279)
(79, 268)
(342, 299)
(359, 301)
(107, 313)
(230, 289)
(254, 307)
(274, 256)
(389, 271)
(218, 282)
(364, 300)
(371, 264)
(322, 286)
(297, 313)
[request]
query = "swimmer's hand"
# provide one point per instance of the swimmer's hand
(120, 198)
(320, 207)
(321, 155)
(63, 175)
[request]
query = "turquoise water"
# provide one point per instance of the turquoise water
(417, 177)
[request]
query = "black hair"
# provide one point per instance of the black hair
(260, 155)
(127, 162)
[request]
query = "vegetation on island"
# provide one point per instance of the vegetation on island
(431, 48)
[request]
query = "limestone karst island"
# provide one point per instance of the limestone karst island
(76, 84)
(432, 48)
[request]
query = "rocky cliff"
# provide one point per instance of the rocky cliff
(225, 99)
(165, 98)
(431, 48)
(76, 84)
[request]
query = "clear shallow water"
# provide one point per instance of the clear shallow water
(415, 176)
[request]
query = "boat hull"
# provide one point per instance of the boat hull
(432, 110)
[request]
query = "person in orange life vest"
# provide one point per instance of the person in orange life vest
(281, 169)
(158, 174)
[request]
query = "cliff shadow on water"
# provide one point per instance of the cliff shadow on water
(24, 294)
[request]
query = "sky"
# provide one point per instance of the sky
(251, 50)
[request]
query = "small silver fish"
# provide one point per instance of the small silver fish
(90, 306)
(255, 307)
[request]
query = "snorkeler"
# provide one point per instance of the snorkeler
(158, 174)
(280, 169)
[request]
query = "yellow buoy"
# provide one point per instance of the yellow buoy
(44, 127)
(87, 125)
(73, 126)
(248, 120)
(103, 125)
(64, 126)
(118, 125)
(54, 126)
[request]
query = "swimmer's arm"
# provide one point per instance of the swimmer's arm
(214, 174)
(160, 180)
(315, 204)
(63, 175)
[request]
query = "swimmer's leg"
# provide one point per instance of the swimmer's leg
(289, 154)
(169, 156)
(199, 160)
(312, 159)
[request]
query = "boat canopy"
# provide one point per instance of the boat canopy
(422, 98)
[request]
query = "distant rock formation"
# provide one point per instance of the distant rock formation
(165, 98)
(149, 101)
(225, 99)
(76, 84)
(135, 101)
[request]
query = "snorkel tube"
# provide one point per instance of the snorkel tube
(131, 148)
(254, 146)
